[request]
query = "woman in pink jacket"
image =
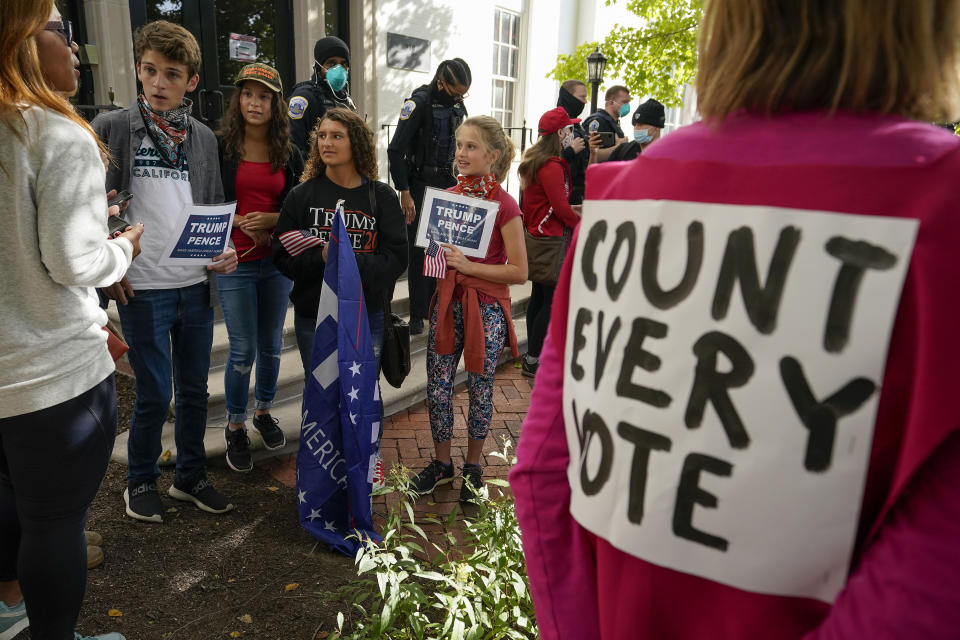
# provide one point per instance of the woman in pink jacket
(745, 422)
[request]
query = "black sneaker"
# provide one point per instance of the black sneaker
(143, 502)
(201, 494)
(528, 366)
(271, 434)
(435, 474)
(471, 477)
(238, 449)
(416, 327)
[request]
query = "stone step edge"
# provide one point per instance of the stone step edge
(216, 401)
(287, 413)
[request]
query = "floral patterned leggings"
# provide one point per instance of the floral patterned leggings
(441, 370)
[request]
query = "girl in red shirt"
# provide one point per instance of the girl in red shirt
(545, 177)
(470, 312)
(259, 166)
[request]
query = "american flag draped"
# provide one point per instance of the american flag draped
(341, 416)
(434, 260)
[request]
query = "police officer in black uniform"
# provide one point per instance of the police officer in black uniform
(421, 155)
(326, 89)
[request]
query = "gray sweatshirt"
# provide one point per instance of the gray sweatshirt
(54, 221)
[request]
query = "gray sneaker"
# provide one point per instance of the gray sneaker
(435, 474)
(472, 477)
(13, 620)
(270, 432)
(200, 493)
(105, 636)
(143, 502)
(238, 449)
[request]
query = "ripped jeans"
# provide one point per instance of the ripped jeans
(254, 300)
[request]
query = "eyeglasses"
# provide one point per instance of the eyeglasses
(63, 27)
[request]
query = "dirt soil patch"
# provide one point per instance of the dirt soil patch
(201, 576)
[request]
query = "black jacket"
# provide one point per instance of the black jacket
(307, 104)
(606, 121)
(379, 239)
(414, 148)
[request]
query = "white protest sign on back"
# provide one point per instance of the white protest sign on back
(721, 383)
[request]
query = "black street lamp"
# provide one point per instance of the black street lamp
(596, 61)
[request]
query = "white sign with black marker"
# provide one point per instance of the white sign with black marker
(721, 383)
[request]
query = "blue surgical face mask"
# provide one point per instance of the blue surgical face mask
(642, 136)
(624, 109)
(337, 77)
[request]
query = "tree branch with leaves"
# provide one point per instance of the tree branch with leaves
(656, 59)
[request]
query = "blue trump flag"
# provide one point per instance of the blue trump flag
(341, 412)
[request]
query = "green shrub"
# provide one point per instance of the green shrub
(415, 587)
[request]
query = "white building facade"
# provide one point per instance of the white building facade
(395, 45)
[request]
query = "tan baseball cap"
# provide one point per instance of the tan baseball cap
(262, 73)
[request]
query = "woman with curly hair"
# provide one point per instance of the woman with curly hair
(259, 166)
(342, 166)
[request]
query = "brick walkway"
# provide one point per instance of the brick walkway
(407, 441)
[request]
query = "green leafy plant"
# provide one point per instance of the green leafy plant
(657, 59)
(432, 586)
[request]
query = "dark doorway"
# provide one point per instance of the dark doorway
(260, 30)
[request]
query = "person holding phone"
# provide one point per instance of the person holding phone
(616, 105)
(57, 395)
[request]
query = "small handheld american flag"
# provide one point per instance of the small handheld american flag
(435, 260)
(297, 241)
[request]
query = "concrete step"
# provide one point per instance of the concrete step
(221, 342)
(288, 412)
(290, 380)
(290, 384)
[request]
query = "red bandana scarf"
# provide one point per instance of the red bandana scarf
(477, 186)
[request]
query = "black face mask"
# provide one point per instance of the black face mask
(440, 96)
(570, 104)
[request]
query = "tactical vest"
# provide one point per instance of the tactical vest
(435, 141)
(326, 96)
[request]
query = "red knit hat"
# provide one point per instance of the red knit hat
(554, 120)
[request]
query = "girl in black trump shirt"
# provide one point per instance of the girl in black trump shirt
(341, 166)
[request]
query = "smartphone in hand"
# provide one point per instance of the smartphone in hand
(120, 199)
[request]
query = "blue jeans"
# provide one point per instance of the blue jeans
(170, 332)
(254, 300)
(52, 462)
(306, 330)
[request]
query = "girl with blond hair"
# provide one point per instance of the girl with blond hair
(470, 312)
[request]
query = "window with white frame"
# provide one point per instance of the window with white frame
(506, 64)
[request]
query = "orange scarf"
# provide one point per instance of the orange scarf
(474, 351)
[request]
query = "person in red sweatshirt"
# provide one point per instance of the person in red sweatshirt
(545, 177)
(745, 423)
